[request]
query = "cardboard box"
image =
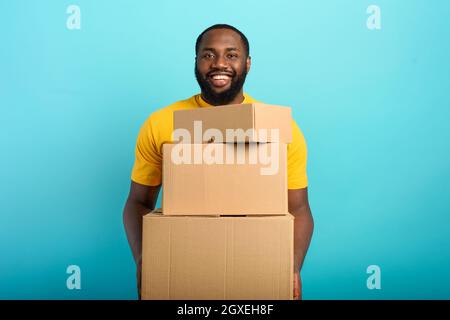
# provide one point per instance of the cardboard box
(237, 186)
(245, 116)
(209, 258)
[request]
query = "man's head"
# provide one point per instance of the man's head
(222, 63)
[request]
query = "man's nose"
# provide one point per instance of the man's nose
(220, 62)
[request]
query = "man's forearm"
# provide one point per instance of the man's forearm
(303, 229)
(132, 219)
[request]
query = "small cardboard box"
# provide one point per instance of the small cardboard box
(217, 258)
(243, 179)
(247, 116)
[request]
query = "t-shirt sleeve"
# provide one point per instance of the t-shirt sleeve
(297, 156)
(148, 158)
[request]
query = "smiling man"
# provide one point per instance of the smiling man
(221, 66)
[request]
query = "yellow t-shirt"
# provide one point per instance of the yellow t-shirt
(158, 128)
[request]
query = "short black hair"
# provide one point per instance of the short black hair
(223, 26)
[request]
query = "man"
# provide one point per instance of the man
(221, 65)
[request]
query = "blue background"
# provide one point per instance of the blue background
(373, 106)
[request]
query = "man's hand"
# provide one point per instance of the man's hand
(297, 286)
(303, 229)
(139, 276)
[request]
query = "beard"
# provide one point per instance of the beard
(224, 97)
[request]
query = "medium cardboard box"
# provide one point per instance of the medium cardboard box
(244, 179)
(248, 116)
(217, 258)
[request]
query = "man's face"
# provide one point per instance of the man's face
(221, 66)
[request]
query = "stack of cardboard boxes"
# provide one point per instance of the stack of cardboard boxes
(224, 231)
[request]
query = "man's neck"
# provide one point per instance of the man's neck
(238, 99)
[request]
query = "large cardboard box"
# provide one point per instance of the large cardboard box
(248, 116)
(243, 179)
(209, 258)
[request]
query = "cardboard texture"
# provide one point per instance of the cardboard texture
(226, 189)
(209, 258)
(238, 116)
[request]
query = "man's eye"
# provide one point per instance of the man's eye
(232, 56)
(207, 55)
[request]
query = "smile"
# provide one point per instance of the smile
(219, 80)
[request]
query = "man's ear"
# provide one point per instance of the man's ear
(248, 63)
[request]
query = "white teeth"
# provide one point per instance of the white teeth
(220, 77)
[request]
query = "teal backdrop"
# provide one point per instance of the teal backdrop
(373, 105)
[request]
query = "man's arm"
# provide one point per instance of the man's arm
(303, 229)
(141, 200)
